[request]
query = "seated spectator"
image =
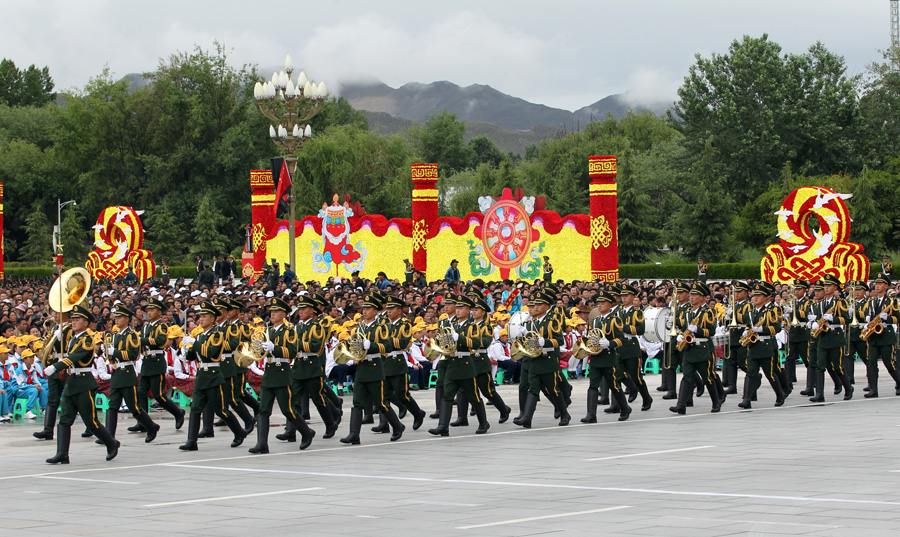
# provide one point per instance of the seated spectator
(180, 373)
(498, 352)
(419, 366)
(32, 385)
(8, 384)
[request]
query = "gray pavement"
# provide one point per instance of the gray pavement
(802, 469)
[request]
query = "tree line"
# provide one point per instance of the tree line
(748, 125)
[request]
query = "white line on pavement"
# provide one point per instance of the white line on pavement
(764, 522)
(85, 479)
(222, 498)
(533, 518)
(451, 504)
(799, 499)
(648, 453)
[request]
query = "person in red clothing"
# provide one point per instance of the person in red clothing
(180, 373)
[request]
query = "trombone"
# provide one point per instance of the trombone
(733, 324)
(854, 321)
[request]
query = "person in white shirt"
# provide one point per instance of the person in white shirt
(498, 351)
(419, 366)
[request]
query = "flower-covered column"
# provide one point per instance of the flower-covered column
(424, 211)
(604, 218)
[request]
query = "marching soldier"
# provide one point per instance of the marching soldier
(235, 332)
(78, 394)
(543, 371)
(764, 321)
(461, 371)
(153, 363)
(368, 387)
(737, 354)
(396, 377)
(123, 350)
(798, 338)
(603, 365)
(858, 346)
(206, 349)
(679, 319)
(483, 377)
(882, 346)
(280, 347)
(448, 316)
(828, 324)
(628, 354)
(335, 403)
(239, 394)
(55, 383)
(696, 353)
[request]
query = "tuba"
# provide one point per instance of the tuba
(69, 290)
(252, 351)
(526, 346)
(352, 349)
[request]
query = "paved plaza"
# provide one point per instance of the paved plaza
(802, 469)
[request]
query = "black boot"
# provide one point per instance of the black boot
(49, 423)
(624, 408)
(564, 417)
(646, 400)
(262, 435)
(604, 392)
(289, 434)
(501, 407)
(591, 417)
(438, 397)
(173, 409)
(443, 428)
(530, 407)
(747, 393)
(523, 396)
(836, 379)
(685, 390)
(112, 419)
(731, 372)
(112, 445)
(716, 398)
(236, 430)
(152, 428)
(483, 424)
(671, 383)
(208, 431)
(369, 417)
(382, 426)
(663, 381)
(819, 397)
(327, 414)
(397, 426)
(810, 381)
(246, 417)
(306, 434)
(356, 415)
(417, 413)
(462, 413)
(63, 439)
(848, 387)
(193, 433)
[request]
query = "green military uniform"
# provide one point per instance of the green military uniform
(628, 354)
(762, 355)
(368, 385)
(798, 341)
(396, 376)
(883, 346)
(543, 371)
(78, 393)
(209, 384)
(282, 342)
(858, 347)
(308, 372)
(831, 341)
(696, 356)
(441, 367)
(603, 364)
(236, 332)
(153, 365)
(674, 356)
(55, 384)
(484, 377)
(126, 348)
(737, 355)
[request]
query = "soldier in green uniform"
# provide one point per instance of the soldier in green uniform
(368, 386)
(78, 394)
(281, 346)
(396, 377)
(603, 365)
(239, 395)
(55, 383)
(765, 321)
(209, 385)
(798, 337)
(832, 317)
(560, 314)
(858, 347)
(883, 346)
(234, 333)
(483, 377)
(737, 354)
(335, 403)
(448, 315)
(124, 348)
(628, 354)
(679, 321)
(153, 363)
(543, 370)
(240, 316)
(460, 371)
(701, 325)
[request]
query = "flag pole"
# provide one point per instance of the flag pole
(292, 168)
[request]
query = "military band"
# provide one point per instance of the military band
(825, 332)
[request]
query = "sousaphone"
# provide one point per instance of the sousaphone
(71, 289)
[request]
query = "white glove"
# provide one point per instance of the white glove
(692, 328)
(604, 343)
(110, 350)
(50, 370)
(758, 329)
(828, 317)
(812, 316)
(728, 311)
(815, 325)
(268, 346)
(540, 341)
(58, 333)
(787, 310)
(680, 338)
(187, 341)
(455, 336)
(367, 344)
(883, 316)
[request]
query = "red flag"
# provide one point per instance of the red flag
(284, 184)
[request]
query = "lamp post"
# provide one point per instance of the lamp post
(290, 104)
(58, 247)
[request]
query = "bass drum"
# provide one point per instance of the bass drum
(655, 324)
(516, 326)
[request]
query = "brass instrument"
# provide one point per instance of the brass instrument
(687, 339)
(442, 345)
(875, 327)
(526, 346)
(69, 290)
(854, 322)
(252, 351)
(823, 325)
(351, 349)
(733, 324)
(589, 344)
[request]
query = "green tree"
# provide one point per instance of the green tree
(38, 245)
(75, 235)
(164, 234)
(28, 87)
(483, 150)
(880, 114)
(440, 140)
(637, 237)
(207, 236)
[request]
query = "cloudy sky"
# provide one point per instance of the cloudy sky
(561, 53)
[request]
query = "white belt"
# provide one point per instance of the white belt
(227, 355)
(279, 361)
(548, 349)
(204, 366)
(763, 338)
(120, 365)
(629, 336)
(463, 354)
(308, 354)
(154, 353)
(79, 370)
(701, 339)
(396, 353)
